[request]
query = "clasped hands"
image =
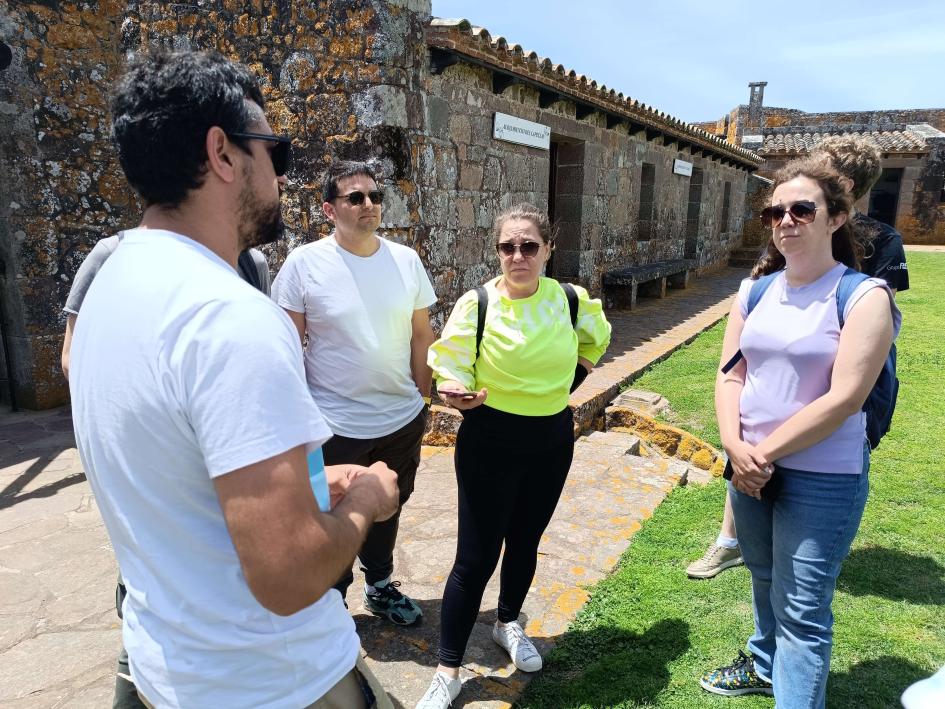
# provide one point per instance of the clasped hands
(751, 470)
(340, 478)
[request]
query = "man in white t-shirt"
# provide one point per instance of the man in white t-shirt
(194, 423)
(363, 302)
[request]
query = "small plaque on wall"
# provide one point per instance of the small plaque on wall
(517, 130)
(681, 167)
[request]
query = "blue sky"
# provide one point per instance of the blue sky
(694, 60)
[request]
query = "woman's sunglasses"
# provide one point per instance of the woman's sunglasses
(281, 153)
(356, 199)
(801, 212)
(528, 249)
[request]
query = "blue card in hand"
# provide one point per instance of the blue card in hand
(316, 475)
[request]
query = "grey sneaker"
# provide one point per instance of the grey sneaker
(388, 602)
(715, 560)
(443, 690)
(523, 653)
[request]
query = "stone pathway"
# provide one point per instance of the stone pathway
(58, 630)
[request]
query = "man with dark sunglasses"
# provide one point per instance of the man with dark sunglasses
(363, 301)
(195, 426)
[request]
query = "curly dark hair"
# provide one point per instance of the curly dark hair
(162, 108)
(339, 170)
(846, 248)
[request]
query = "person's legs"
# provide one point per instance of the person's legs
(754, 519)
(487, 491)
(815, 520)
(723, 553)
(751, 673)
(126, 695)
(359, 689)
(401, 452)
(543, 480)
(339, 450)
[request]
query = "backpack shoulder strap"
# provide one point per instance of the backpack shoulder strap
(482, 298)
(849, 282)
(572, 301)
(248, 270)
(759, 288)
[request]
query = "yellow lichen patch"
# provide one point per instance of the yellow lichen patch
(571, 601)
(702, 459)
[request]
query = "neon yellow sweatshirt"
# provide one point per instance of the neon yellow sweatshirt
(529, 349)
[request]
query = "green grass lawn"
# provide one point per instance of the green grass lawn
(648, 632)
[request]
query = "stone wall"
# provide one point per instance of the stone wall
(597, 192)
(347, 79)
(780, 117)
(341, 77)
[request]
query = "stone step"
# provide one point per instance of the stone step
(627, 443)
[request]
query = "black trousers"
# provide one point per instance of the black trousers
(400, 450)
(510, 471)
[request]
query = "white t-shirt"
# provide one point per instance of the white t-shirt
(182, 372)
(358, 314)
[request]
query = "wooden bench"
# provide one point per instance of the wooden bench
(622, 285)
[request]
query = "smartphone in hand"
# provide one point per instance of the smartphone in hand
(461, 395)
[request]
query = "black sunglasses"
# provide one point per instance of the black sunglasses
(528, 249)
(801, 212)
(356, 198)
(280, 155)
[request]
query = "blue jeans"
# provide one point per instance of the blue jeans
(793, 546)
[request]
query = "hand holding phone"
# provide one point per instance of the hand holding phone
(461, 395)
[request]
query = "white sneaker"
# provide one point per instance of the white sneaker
(516, 643)
(443, 690)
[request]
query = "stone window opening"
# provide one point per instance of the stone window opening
(725, 227)
(647, 201)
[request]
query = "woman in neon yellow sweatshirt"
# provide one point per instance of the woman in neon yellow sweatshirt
(514, 447)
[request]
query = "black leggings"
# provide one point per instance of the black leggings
(510, 471)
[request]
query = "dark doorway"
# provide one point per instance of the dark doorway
(884, 197)
(693, 212)
(565, 203)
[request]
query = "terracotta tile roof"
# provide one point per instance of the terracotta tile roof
(461, 37)
(898, 139)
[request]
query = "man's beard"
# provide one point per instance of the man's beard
(259, 223)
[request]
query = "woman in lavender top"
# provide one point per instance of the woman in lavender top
(791, 423)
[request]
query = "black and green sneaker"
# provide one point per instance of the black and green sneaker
(738, 678)
(388, 602)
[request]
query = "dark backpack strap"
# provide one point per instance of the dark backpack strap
(849, 282)
(247, 269)
(572, 301)
(758, 289)
(482, 298)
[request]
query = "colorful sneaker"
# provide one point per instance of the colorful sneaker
(388, 602)
(738, 678)
(715, 560)
(443, 690)
(523, 653)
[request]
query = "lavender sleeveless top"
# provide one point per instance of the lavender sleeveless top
(790, 342)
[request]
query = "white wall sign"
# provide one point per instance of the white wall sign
(517, 130)
(681, 167)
